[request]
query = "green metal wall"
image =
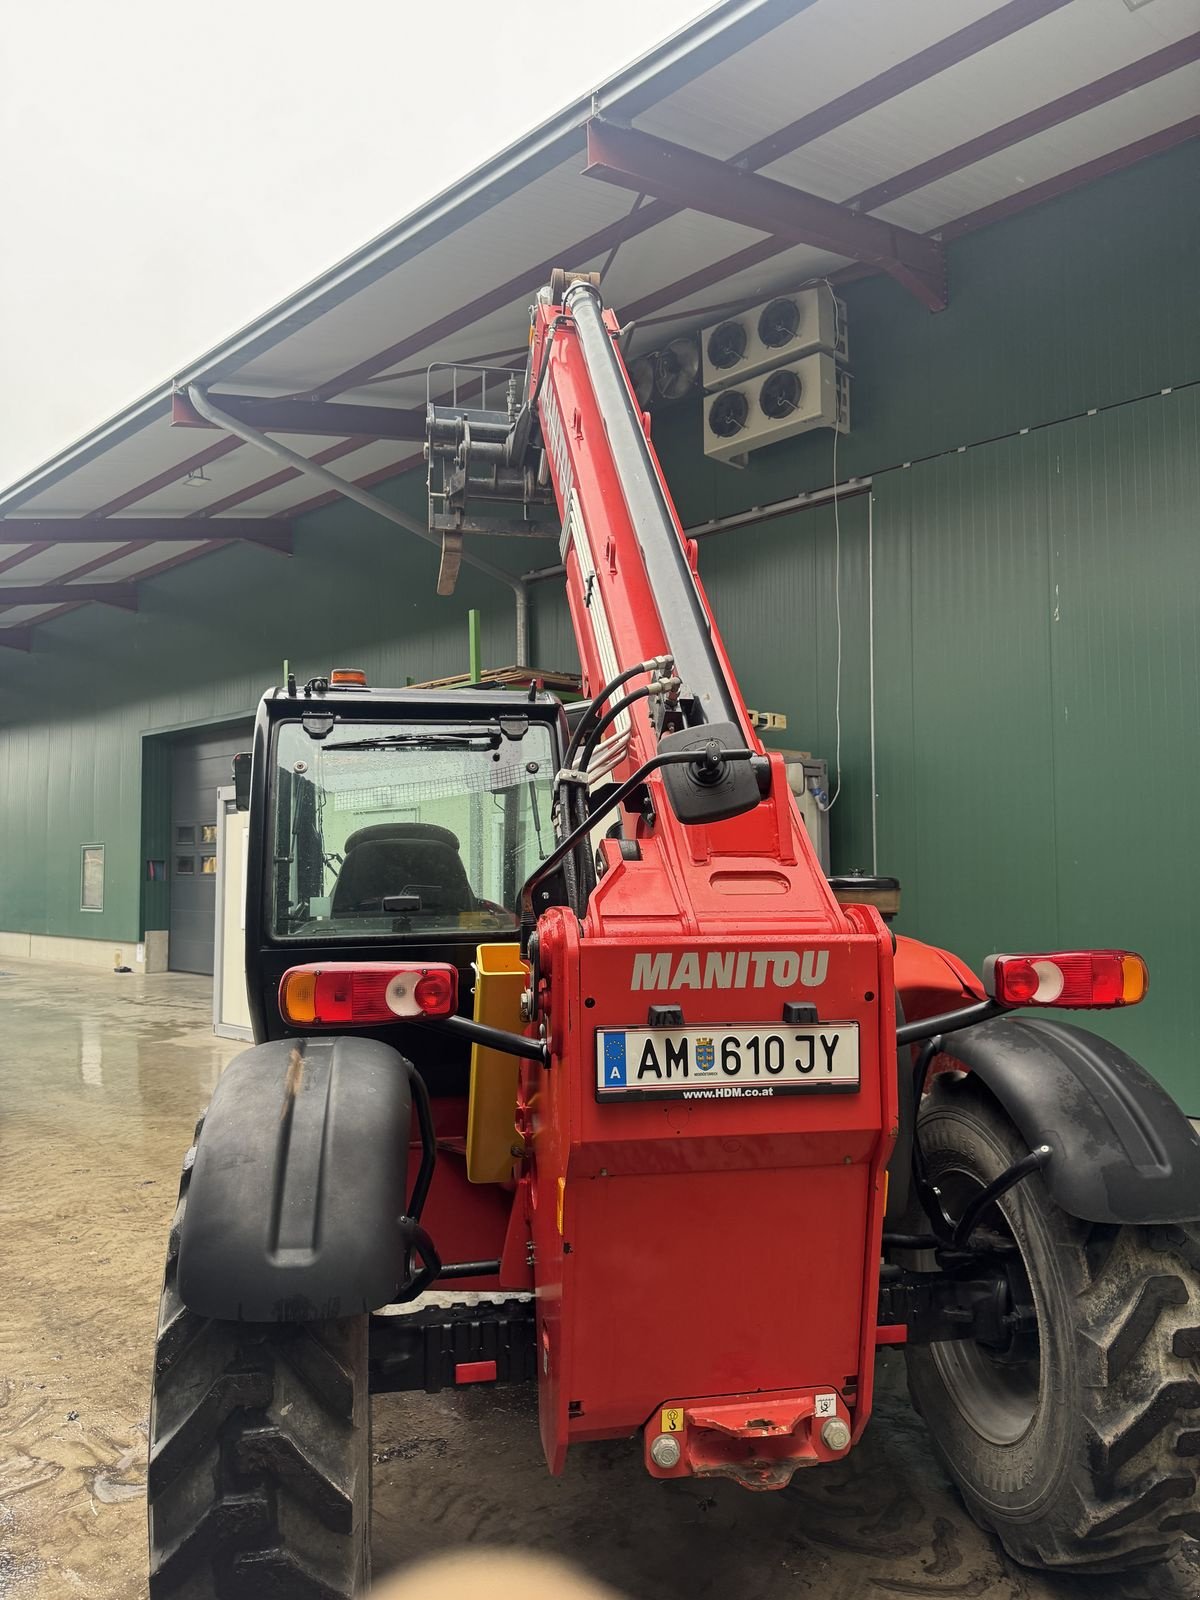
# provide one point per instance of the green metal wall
(207, 639)
(1034, 597)
(1038, 702)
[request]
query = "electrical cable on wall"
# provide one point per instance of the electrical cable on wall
(837, 606)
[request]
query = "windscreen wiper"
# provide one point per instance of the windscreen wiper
(420, 741)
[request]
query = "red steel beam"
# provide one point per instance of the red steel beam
(1135, 75)
(1021, 200)
(123, 595)
(307, 416)
(649, 165)
(917, 68)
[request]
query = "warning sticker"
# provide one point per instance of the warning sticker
(824, 1406)
(672, 1419)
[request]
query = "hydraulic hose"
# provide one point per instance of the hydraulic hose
(655, 664)
(611, 715)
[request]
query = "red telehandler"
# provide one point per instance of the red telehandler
(564, 1010)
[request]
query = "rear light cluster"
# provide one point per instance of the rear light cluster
(340, 993)
(1075, 980)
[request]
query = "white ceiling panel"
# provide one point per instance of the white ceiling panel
(138, 561)
(1096, 133)
(48, 565)
(1061, 52)
(827, 50)
(685, 244)
(539, 221)
(155, 448)
(22, 616)
(788, 270)
(230, 474)
(279, 500)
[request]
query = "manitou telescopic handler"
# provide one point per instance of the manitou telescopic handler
(566, 1011)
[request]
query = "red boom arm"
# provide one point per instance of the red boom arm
(707, 1217)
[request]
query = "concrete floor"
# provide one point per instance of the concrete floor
(100, 1084)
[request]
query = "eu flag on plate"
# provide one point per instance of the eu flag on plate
(614, 1060)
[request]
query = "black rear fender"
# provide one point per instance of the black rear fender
(1123, 1151)
(298, 1184)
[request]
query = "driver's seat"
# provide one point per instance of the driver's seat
(391, 858)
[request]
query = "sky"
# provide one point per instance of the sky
(168, 172)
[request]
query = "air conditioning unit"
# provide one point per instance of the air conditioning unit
(813, 392)
(782, 329)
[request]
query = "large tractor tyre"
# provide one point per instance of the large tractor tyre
(1077, 1445)
(259, 1479)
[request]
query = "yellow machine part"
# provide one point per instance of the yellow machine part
(500, 978)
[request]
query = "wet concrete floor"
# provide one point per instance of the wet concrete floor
(101, 1078)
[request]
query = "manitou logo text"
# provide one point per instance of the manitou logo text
(730, 969)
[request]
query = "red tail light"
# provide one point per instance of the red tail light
(1074, 980)
(345, 993)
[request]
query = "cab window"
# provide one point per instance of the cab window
(380, 828)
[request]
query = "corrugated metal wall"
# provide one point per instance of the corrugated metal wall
(1035, 613)
(1038, 702)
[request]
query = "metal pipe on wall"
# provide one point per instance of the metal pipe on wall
(351, 491)
(810, 501)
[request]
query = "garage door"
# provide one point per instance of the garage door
(201, 765)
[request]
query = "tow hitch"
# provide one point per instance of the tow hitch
(759, 1440)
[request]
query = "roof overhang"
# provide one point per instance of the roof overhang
(770, 143)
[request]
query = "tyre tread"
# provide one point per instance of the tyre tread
(1129, 1492)
(257, 1447)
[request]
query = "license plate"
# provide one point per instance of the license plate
(725, 1063)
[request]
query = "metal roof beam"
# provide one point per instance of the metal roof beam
(124, 596)
(685, 178)
(273, 533)
(314, 417)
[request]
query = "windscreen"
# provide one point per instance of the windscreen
(386, 828)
